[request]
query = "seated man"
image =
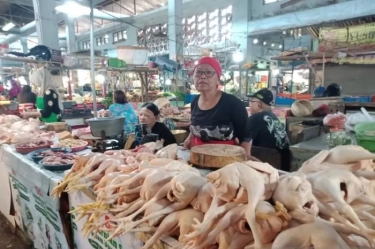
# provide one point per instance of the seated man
(265, 129)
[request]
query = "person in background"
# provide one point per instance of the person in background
(121, 108)
(216, 117)
(48, 98)
(26, 96)
(265, 129)
(14, 90)
(149, 115)
(333, 90)
(164, 106)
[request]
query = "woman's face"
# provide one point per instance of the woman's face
(205, 78)
(147, 117)
(166, 109)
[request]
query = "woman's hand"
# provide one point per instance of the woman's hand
(187, 143)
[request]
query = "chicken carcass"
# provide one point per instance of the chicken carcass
(147, 147)
(78, 166)
(295, 192)
(169, 151)
(318, 235)
(339, 187)
(258, 179)
(349, 154)
(349, 157)
(181, 191)
(203, 200)
(178, 222)
(231, 238)
(155, 163)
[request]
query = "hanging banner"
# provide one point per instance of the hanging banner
(331, 38)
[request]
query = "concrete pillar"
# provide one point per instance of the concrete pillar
(241, 14)
(175, 15)
(132, 33)
(25, 49)
(46, 23)
(70, 34)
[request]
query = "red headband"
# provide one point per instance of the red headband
(213, 63)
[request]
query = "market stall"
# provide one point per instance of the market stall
(100, 189)
(116, 224)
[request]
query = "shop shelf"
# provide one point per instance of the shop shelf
(284, 101)
(357, 99)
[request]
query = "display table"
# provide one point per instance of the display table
(45, 220)
(307, 149)
(35, 212)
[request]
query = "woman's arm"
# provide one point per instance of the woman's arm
(181, 124)
(165, 133)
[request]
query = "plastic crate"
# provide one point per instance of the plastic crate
(284, 101)
(357, 99)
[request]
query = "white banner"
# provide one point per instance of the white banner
(127, 241)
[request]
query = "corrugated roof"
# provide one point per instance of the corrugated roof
(314, 30)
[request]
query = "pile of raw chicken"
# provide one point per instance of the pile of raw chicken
(14, 130)
(328, 203)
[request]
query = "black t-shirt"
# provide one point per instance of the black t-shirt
(225, 121)
(164, 133)
(266, 131)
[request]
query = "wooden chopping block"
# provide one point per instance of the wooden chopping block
(57, 127)
(216, 155)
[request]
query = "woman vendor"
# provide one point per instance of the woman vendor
(149, 114)
(49, 99)
(216, 117)
(165, 109)
(121, 108)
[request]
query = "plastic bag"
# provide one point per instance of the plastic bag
(336, 120)
(354, 119)
(81, 131)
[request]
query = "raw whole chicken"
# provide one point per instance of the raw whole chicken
(169, 151)
(180, 221)
(231, 238)
(181, 191)
(349, 157)
(242, 204)
(318, 235)
(258, 179)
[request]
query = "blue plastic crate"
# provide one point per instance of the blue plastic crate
(357, 99)
(284, 101)
(189, 98)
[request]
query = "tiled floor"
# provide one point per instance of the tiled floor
(7, 238)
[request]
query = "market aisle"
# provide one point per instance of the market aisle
(8, 239)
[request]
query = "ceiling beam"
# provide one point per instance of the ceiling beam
(19, 2)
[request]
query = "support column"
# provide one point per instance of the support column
(46, 23)
(240, 18)
(175, 36)
(132, 36)
(25, 49)
(70, 34)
